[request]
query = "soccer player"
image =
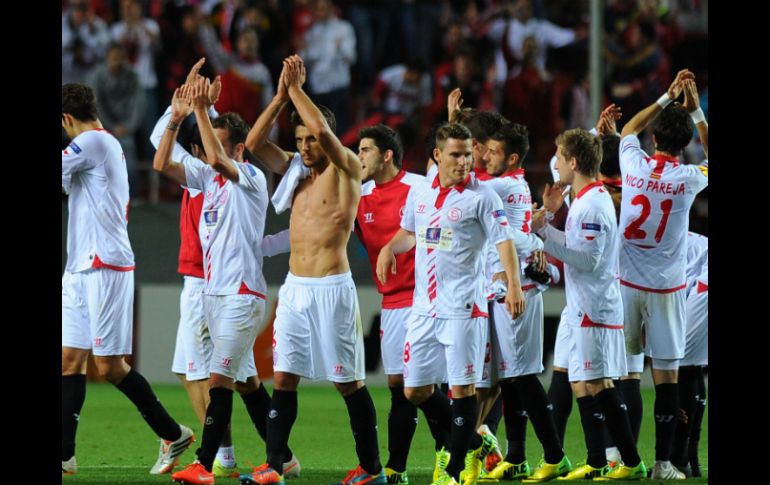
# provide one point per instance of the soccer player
(230, 230)
(450, 219)
(589, 249)
(692, 386)
(658, 192)
(383, 197)
(193, 348)
(98, 281)
(318, 332)
(517, 344)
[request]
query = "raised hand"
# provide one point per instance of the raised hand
(691, 99)
(214, 90)
(676, 86)
(200, 93)
(194, 71)
(454, 103)
(606, 125)
(181, 105)
(283, 91)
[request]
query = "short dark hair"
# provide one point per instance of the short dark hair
(610, 166)
(237, 129)
(385, 138)
(451, 130)
(586, 148)
(484, 124)
(673, 129)
(79, 101)
(296, 119)
(430, 140)
(515, 138)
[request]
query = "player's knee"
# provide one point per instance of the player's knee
(112, 369)
(73, 362)
(416, 395)
(348, 388)
(251, 385)
(395, 380)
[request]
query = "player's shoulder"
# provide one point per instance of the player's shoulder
(367, 188)
(699, 240)
(412, 179)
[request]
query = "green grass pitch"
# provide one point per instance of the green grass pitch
(115, 446)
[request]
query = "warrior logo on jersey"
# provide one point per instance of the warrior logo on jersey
(368, 217)
(455, 214)
(421, 209)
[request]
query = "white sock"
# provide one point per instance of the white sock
(226, 456)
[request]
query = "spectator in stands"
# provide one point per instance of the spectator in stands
(140, 36)
(329, 50)
(84, 41)
(120, 102)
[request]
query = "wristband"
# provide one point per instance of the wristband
(697, 116)
(664, 100)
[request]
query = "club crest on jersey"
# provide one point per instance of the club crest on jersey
(368, 217)
(421, 209)
(454, 214)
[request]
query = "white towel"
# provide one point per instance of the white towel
(285, 192)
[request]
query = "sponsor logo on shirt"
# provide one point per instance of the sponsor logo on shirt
(588, 226)
(75, 147)
(498, 213)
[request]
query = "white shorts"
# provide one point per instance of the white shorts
(596, 353)
(697, 333)
(317, 333)
(234, 323)
(663, 317)
(193, 341)
(563, 343)
(635, 363)
(517, 345)
(442, 350)
(97, 311)
(392, 338)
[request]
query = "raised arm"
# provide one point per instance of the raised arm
(453, 104)
(274, 159)
(643, 118)
(181, 107)
(216, 156)
(345, 160)
(692, 105)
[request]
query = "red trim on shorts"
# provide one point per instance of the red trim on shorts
(587, 322)
(528, 287)
(98, 263)
(476, 313)
(244, 290)
(652, 290)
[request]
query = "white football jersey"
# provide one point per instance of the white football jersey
(452, 226)
(93, 173)
(658, 192)
(589, 248)
(231, 227)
